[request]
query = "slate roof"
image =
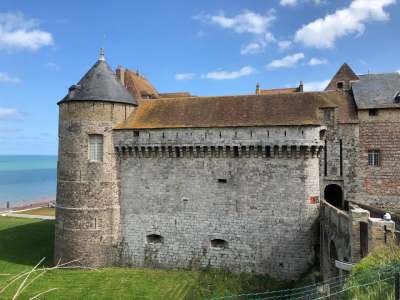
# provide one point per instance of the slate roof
(99, 84)
(376, 90)
(235, 111)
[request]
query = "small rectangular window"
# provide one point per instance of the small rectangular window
(374, 158)
(327, 115)
(340, 85)
(136, 133)
(373, 112)
(222, 180)
(95, 147)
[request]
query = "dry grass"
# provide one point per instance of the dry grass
(42, 211)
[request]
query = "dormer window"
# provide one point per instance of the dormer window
(373, 112)
(397, 97)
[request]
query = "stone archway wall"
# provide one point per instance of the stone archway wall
(335, 237)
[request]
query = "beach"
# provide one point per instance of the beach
(27, 181)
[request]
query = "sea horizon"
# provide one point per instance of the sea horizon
(27, 178)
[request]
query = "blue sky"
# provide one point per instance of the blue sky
(206, 47)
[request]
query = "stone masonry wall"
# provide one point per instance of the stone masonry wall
(338, 162)
(263, 205)
(87, 208)
(380, 186)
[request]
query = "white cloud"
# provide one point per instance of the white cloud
(284, 45)
(52, 65)
(221, 75)
(323, 32)
(316, 85)
(288, 2)
(258, 45)
(4, 77)
(252, 48)
(398, 71)
(317, 61)
(19, 32)
(295, 2)
(245, 22)
(6, 112)
(184, 76)
(286, 62)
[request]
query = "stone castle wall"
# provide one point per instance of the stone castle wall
(339, 159)
(87, 205)
(245, 199)
(380, 186)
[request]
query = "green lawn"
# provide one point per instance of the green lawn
(42, 211)
(24, 242)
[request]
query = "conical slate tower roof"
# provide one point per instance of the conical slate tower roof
(99, 84)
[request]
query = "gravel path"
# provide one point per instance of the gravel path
(27, 216)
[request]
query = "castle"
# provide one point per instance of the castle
(173, 180)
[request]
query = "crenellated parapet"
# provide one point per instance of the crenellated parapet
(218, 151)
(284, 142)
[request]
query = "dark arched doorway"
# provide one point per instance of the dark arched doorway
(333, 194)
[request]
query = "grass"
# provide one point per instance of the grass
(42, 211)
(373, 276)
(24, 242)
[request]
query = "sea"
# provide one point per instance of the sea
(27, 179)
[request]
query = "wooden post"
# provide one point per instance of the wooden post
(397, 286)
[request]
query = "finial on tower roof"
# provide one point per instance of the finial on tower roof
(101, 56)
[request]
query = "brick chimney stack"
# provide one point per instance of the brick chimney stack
(120, 73)
(301, 87)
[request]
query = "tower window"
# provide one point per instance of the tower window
(95, 147)
(374, 158)
(373, 112)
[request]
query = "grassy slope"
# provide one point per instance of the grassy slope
(379, 266)
(42, 211)
(25, 242)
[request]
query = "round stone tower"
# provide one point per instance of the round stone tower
(87, 206)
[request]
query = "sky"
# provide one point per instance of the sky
(208, 47)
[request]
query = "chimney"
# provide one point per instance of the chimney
(257, 89)
(120, 73)
(301, 87)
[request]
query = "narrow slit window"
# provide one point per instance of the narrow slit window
(219, 244)
(154, 239)
(235, 151)
(96, 147)
(374, 158)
